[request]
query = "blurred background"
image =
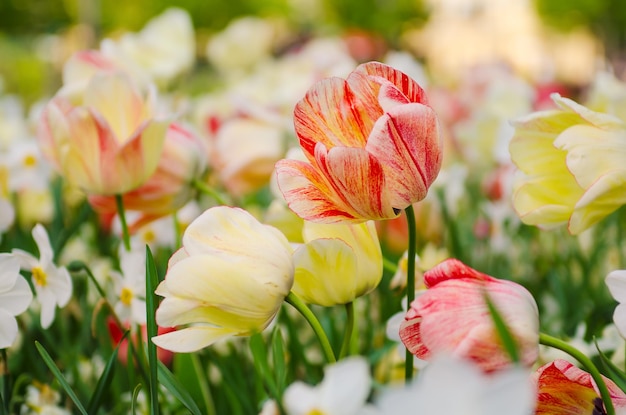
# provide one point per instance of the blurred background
(542, 40)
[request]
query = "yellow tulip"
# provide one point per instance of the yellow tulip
(229, 279)
(571, 163)
(337, 263)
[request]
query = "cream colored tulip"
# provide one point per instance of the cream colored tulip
(229, 279)
(571, 164)
(337, 263)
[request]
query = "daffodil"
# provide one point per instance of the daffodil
(53, 285)
(15, 297)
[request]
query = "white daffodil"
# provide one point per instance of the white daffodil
(130, 287)
(15, 297)
(343, 391)
(474, 393)
(53, 285)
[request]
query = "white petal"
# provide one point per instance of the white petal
(619, 318)
(26, 259)
(18, 299)
(301, 399)
(48, 307)
(616, 281)
(346, 386)
(43, 244)
(9, 270)
(191, 339)
(8, 329)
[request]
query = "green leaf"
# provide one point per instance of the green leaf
(105, 379)
(59, 376)
(613, 372)
(151, 305)
(510, 345)
(177, 389)
(259, 353)
(278, 355)
(134, 398)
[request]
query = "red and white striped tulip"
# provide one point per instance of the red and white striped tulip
(110, 142)
(452, 317)
(372, 144)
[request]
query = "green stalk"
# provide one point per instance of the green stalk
(389, 265)
(548, 340)
(306, 312)
(347, 336)
(410, 281)
(204, 188)
(120, 211)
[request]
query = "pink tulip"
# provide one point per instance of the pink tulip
(564, 389)
(372, 145)
(109, 142)
(170, 186)
(452, 317)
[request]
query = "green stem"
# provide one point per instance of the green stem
(120, 211)
(347, 337)
(390, 266)
(548, 340)
(203, 384)
(205, 188)
(410, 281)
(306, 312)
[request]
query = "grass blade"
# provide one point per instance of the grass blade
(59, 376)
(152, 280)
(105, 379)
(177, 389)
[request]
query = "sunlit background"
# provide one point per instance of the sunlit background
(543, 40)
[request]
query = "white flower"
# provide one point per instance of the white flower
(42, 399)
(130, 287)
(15, 297)
(53, 285)
(456, 387)
(616, 281)
(343, 391)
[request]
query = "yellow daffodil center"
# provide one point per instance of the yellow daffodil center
(315, 411)
(39, 276)
(126, 296)
(149, 236)
(29, 160)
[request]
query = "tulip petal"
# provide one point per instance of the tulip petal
(601, 199)
(308, 194)
(358, 179)
(318, 264)
(407, 143)
(592, 152)
(387, 74)
(226, 231)
(115, 97)
(452, 269)
(330, 115)
(191, 339)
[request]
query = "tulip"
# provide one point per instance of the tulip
(229, 279)
(372, 145)
(452, 317)
(571, 163)
(170, 187)
(107, 144)
(564, 389)
(337, 263)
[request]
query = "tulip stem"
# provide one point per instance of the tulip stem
(306, 312)
(347, 339)
(548, 340)
(120, 211)
(206, 189)
(410, 281)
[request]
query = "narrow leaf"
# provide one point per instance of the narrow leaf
(151, 283)
(510, 345)
(612, 371)
(105, 379)
(59, 376)
(259, 353)
(177, 389)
